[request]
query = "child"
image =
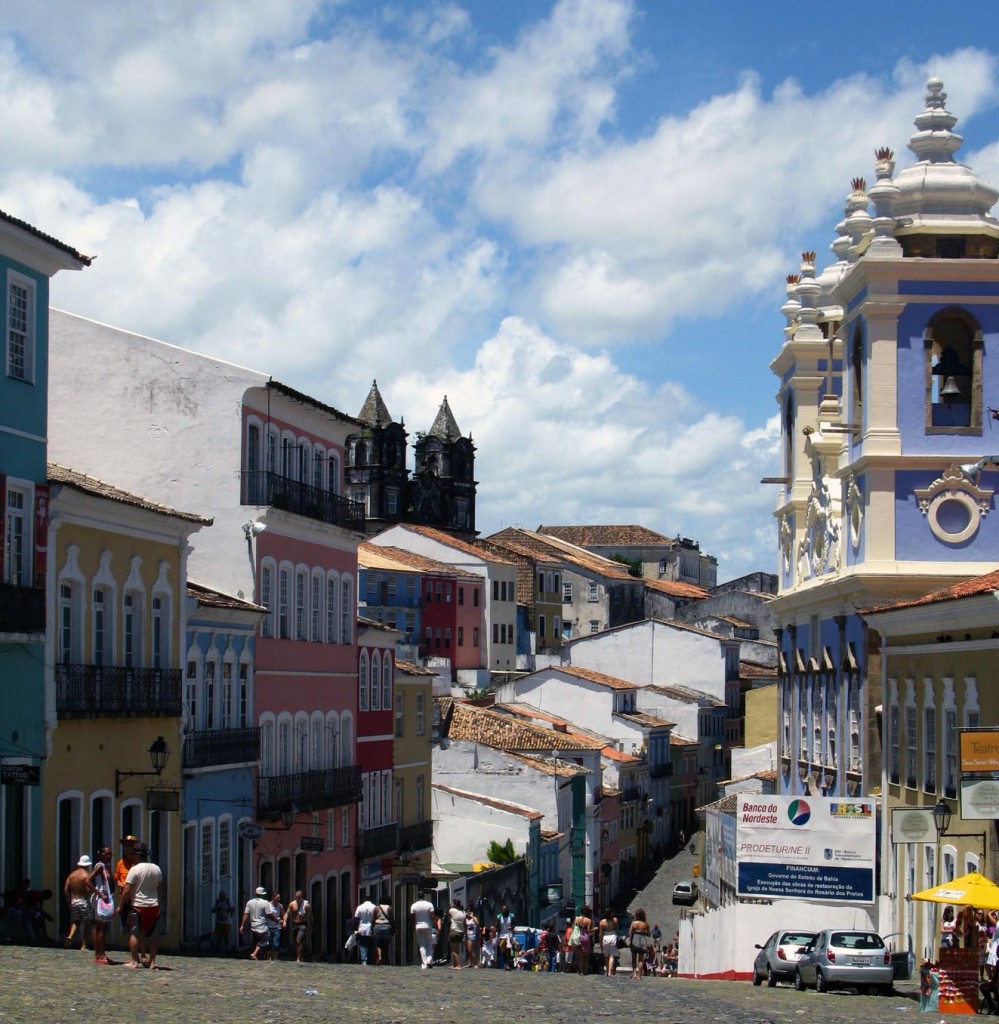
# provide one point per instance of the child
(490, 948)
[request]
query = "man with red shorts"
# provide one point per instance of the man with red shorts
(141, 900)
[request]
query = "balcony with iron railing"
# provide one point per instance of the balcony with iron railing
(102, 691)
(417, 837)
(210, 748)
(377, 841)
(262, 487)
(308, 791)
(22, 609)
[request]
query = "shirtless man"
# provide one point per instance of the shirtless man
(296, 916)
(77, 890)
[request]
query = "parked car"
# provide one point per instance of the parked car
(777, 959)
(842, 956)
(685, 894)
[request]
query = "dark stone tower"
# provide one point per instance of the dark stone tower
(376, 464)
(442, 491)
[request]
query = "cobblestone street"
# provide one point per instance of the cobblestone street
(46, 986)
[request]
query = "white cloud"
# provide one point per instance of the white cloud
(564, 435)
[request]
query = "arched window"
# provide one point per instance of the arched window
(362, 682)
(346, 739)
(376, 678)
(953, 343)
(332, 608)
(387, 681)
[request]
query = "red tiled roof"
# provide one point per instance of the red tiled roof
(211, 598)
(966, 588)
(375, 556)
(409, 669)
(601, 678)
(677, 588)
(455, 542)
(505, 732)
(608, 536)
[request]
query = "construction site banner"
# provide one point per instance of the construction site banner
(814, 848)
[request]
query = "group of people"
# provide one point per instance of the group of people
(266, 920)
(978, 929)
(569, 949)
(97, 893)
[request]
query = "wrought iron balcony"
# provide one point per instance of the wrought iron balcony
(378, 841)
(309, 791)
(208, 748)
(22, 609)
(418, 837)
(261, 487)
(661, 771)
(101, 691)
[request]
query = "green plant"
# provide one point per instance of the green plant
(501, 854)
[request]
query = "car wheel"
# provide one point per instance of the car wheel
(757, 980)
(821, 985)
(799, 981)
(888, 989)
(771, 977)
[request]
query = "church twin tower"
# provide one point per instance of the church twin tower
(441, 491)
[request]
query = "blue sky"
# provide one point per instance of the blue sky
(574, 218)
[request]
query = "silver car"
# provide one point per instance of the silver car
(777, 959)
(843, 956)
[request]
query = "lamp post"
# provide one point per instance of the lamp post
(159, 754)
(942, 815)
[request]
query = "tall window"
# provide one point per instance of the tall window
(131, 629)
(930, 750)
(267, 600)
(421, 787)
(400, 715)
(950, 751)
(332, 604)
(210, 694)
(317, 609)
(158, 634)
(284, 611)
(387, 681)
(16, 538)
(101, 654)
(20, 328)
(911, 749)
(346, 611)
(227, 695)
(69, 647)
(244, 695)
(376, 682)
(894, 725)
(225, 845)
(206, 853)
(284, 747)
(191, 696)
(362, 682)
(421, 717)
(300, 619)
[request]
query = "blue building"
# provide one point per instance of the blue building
(886, 392)
(221, 756)
(28, 258)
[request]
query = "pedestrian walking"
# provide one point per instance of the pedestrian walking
(384, 930)
(422, 912)
(255, 918)
(364, 922)
(275, 915)
(76, 890)
(296, 917)
(141, 897)
(222, 911)
(101, 883)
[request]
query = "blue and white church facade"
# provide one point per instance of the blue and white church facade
(886, 395)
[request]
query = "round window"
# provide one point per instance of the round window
(953, 516)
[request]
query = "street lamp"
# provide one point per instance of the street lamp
(159, 754)
(942, 815)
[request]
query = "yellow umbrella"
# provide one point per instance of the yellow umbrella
(971, 890)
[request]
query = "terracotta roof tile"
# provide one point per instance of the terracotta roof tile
(686, 694)
(966, 588)
(751, 670)
(98, 488)
(601, 678)
(676, 588)
(211, 598)
(304, 399)
(644, 718)
(608, 536)
(562, 551)
(388, 558)
(551, 766)
(407, 668)
(504, 732)
(455, 542)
